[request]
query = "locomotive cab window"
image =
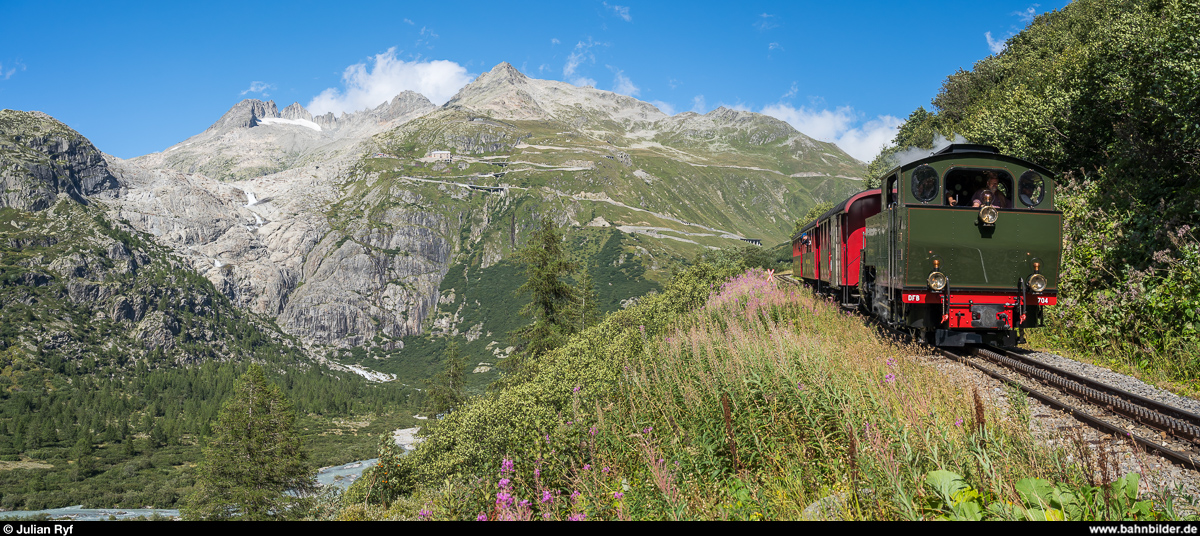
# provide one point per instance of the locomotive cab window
(924, 183)
(1031, 188)
(973, 187)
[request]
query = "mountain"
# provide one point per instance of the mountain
(254, 138)
(351, 236)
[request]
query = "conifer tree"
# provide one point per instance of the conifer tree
(447, 390)
(253, 458)
(546, 267)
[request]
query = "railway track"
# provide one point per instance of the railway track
(1170, 432)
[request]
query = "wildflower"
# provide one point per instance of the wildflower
(642, 328)
(546, 516)
(890, 378)
(424, 514)
(618, 495)
(800, 386)
(504, 483)
(592, 431)
(507, 465)
(647, 429)
(577, 517)
(958, 422)
(504, 499)
(537, 472)
(891, 362)
(546, 498)
(606, 470)
(575, 496)
(525, 503)
(547, 439)
(587, 467)
(576, 390)
(481, 517)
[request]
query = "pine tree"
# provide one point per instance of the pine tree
(545, 267)
(253, 458)
(446, 391)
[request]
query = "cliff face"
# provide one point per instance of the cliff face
(40, 158)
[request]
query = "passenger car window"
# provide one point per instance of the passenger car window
(1031, 188)
(924, 183)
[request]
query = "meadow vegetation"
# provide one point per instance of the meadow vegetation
(730, 396)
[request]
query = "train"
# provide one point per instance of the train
(962, 246)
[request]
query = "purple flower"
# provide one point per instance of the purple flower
(525, 503)
(592, 430)
(503, 499)
(537, 472)
(424, 514)
(507, 465)
(890, 378)
(647, 429)
(546, 516)
(575, 495)
(891, 362)
(606, 470)
(546, 498)
(618, 495)
(504, 483)
(577, 517)
(481, 517)
(642, 329)
(958, 422)
(576, 390)
(587, 467)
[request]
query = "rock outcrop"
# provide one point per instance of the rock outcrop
(41, 158)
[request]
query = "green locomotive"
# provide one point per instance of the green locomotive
(960, 247)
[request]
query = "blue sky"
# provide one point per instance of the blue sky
(136, 78)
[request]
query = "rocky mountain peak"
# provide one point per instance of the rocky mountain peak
(41, 158)
(246, 114)
(295, 111)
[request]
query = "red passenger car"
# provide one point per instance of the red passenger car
(826, 252)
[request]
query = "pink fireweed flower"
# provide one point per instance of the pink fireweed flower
(890, 378)
(575, 496)
(546, 516)
(546, 497)
(891, 362)
(577, 517)
(647, 429)
(481, 517)
(525, 503)
(537, 472)
(958, 422)
(503, 499)
(606, 470)
(507, 465)
(618, 495)
(592, 431)
(504, 483)
(576, 390)
(424, 514)
(587, 467)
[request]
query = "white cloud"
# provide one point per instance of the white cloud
(363, 89)
(622, 84)
(698, 104)
(839, 127)
(5, 74)
(995, 46)
(791, 92)
(673, 83)
(1027, 15)
(554, 41)
(410, 22)
(579, 55)
(774, 46)
(664, 106)
(259, 87)
(765, 22)
(621, 11)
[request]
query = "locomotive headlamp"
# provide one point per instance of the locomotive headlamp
(988, 215)
(1037, 267)
(937, 281)
(1037, 282)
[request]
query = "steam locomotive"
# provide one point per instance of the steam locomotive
(960, 247)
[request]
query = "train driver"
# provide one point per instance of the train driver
(990, 195)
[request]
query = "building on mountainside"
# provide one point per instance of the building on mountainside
(755, 241)
(440, 155)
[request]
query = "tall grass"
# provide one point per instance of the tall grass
(763, 403)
